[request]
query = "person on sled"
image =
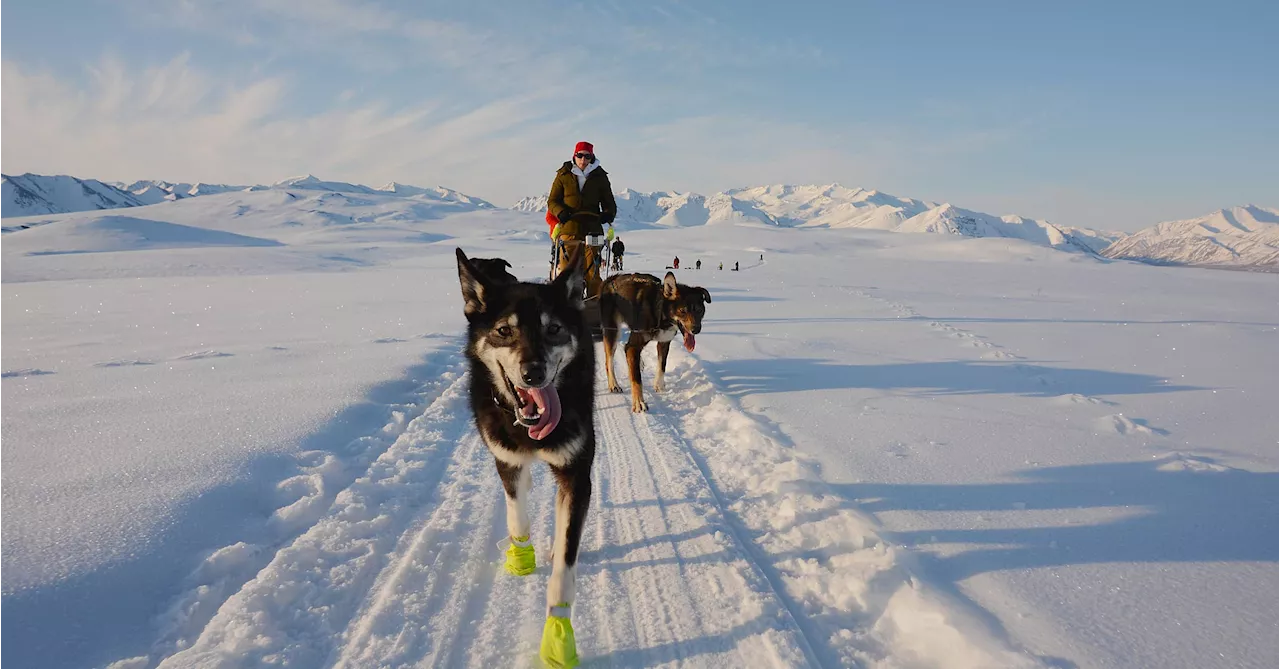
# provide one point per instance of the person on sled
(579, 207)
(617, 250)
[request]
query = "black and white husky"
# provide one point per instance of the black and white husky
(532, 393)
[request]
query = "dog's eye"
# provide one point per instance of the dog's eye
(504, 331)
(554, 328)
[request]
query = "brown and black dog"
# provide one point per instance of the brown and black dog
(494, 268)
(653, 310)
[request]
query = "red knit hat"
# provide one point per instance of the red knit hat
(584, 147)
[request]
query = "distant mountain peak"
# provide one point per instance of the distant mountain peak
(32, 194)
(304, 180)
(1245, 237)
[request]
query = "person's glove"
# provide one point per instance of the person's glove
(608, 236)
(565, 215)
(555, 232)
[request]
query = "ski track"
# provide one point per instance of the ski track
(707, 545)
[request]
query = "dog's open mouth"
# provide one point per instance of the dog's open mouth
(539, 410)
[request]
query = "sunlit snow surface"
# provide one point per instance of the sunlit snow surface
(236, 433)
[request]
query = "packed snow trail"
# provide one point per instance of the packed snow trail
(661, 581)
(708, 545)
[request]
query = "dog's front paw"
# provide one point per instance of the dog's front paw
(638, 406)
(660, 386)
(615, 388)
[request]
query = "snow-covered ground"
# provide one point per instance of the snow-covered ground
(235, 434)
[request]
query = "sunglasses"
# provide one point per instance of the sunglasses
(588, 156)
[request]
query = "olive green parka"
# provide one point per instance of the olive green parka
(595, 196)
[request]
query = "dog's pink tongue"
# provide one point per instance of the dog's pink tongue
(688, 341)
(548, 400)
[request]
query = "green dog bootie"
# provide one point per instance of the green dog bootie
(559, 650)
(520, 559)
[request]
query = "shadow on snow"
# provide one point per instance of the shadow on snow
(960, 377)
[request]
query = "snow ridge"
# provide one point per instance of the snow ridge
(155, 192)
(835, 206)
(34, 194)
(1240, 237)
(439, 193)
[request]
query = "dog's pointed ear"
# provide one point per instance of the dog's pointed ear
(571, 281)
(504, 262)
(706, 296)
(474, 287)
(669, 289)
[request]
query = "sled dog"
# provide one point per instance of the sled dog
(532, 371)
(494, 268)
(653, 310)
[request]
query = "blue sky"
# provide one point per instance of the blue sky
(1107, 115)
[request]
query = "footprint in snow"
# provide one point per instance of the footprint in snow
(898, 450)
(24, 373)
(201, 355)
(1077, 398)
(1120, 424)
(1182, 462)
(122, 363)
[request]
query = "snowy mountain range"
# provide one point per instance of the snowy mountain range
(309, 182)
(154, 192)
(33, 194)
(1240, 237)
(835, 206)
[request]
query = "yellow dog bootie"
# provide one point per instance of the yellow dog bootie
(559, 649)
(520, 558)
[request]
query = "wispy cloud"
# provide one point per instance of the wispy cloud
(176, 122)
(373, 38)
(525, 96)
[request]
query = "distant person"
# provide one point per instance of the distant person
(721, 267)
(761, 257)
(699, 264)
(735, 265)
(675, 264)
(617, 249)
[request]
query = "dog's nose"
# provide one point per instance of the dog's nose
(534, 375)
(697, 329)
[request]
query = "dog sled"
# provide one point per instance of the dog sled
(581, 239)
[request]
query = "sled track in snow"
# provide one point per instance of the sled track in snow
(305, 498)
(662, 517)
(662, 578)
(307, 589)
(704, 547)
(403, 570)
